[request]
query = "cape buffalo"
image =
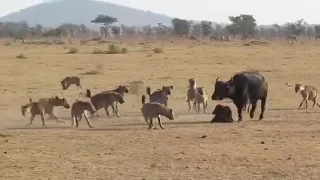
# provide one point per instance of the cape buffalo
(243, 88)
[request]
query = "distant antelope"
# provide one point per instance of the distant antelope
(293, 38)
(308, 93)
(317, 37)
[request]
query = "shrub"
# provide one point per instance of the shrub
(73, 51)
(21, 56)
(157, 50)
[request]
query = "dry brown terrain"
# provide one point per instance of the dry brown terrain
(285, 145)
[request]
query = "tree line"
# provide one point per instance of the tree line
(243, 25)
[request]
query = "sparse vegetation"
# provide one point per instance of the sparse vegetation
(99, 69)
(158, 50)
(112, 49)
(274, 148)
(7, 43)
(21, 56)
(73, 50)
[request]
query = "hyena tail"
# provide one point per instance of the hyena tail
(24, 108)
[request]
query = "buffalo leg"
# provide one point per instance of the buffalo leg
(253, 108)
(239, 107)
(263, 107)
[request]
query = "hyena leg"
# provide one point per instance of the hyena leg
(307, 104)
(204, 107)
(194, 105)
(88, 121)
(106, 109)
(115, 110)
(42, 118)
(189, 105)
(146, 119)
(150, 123)
(314, 102)
(303, 100)
(32, 118)
(77, 122)
(79, 85)
(160, 124)
(198, 107)
(72, 120)
(116, 107)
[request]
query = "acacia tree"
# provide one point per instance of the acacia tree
(243, 24)
(181, 27)
(296, 28)
(206, 28)
(106, 21)
(115, 30)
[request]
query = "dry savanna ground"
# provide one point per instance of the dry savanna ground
(285, 145)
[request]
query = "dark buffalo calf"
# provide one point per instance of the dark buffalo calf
(223, 114)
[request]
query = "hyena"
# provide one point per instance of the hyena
(152, 110)
(69, 80)
(78, 109)
(122, 89)
(292, 38)
(308, 93)
(198, 95)
(44, 106)
(104, 100)
(160, 95)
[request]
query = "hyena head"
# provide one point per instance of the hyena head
(167, 89)
(122, 89)
(192, 82)
(119, 98)
(170, 114)
(59, 102)
(299, 87)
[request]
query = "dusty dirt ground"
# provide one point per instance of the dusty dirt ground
(285, 145)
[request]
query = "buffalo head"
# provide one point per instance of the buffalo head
(221, 89)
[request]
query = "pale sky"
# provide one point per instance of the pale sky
(265, 12)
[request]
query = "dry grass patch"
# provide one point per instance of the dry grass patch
(73, 51)
(99, 69)
(158, 50)
(112, 49)
(21, 56)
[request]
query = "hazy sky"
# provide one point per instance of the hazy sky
(274, 11)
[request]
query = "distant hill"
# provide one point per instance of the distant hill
(82, 12)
